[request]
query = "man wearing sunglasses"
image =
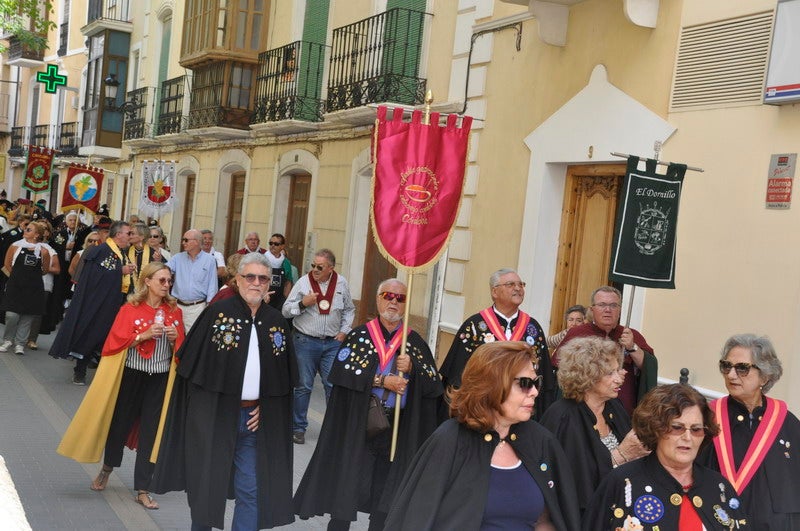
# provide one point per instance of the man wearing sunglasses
(322, 311)
(281, 277)
(346, 463)
(640, 361)
(195, 277)
(502, 321)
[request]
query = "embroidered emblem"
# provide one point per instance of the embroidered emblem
(722, 516)
(343, 354)
(277, 338)
(277, 335)
(648, 508)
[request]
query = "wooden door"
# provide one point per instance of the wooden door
(376, 269)
(235, 207)
(587, 231)
(297, 218)
(188, 208)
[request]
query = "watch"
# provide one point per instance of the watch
(301, 305)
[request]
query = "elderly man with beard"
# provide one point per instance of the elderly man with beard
(226, 433)
(349, 471)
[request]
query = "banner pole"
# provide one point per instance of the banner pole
(630, 306)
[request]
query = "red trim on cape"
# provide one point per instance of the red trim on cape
(499, 332)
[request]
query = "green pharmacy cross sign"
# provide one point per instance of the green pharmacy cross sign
(51, 79)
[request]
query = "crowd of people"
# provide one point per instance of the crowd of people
(206, 367)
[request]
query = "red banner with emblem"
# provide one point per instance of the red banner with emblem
(37, 169)
(82, 188)
(416, 186)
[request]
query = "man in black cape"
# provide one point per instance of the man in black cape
(503, 321)
(227, 432)
(348, 472)
(104, 282)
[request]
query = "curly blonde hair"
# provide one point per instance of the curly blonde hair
(583, 361)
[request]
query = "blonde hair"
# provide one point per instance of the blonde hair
(140, 295)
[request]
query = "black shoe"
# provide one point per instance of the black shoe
(299, 437)
(78, 380)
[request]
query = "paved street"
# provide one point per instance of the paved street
(37, 400)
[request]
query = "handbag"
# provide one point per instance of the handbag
(377, 421)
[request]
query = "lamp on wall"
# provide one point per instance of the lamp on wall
(111, 88)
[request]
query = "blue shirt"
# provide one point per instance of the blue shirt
(514, 500)
(195, 280)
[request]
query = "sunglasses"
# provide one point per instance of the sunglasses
(251, 278)
(92, 241)
(318, 267)
(390, 296)
(742, 369)
(164, 281)
(526, 384)
(184, 240)
(275, 244)
(679, 429)
(155, 236)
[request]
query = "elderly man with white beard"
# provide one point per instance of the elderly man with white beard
(350, 471)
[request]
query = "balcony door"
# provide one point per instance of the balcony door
(235, 207)
(297, 218)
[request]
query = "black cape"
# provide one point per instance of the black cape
(654, 498)
(94, 306)
(474, 333)
(447, 484)
(771, 499)
(338, 478)
(197, 448)
(573, 425)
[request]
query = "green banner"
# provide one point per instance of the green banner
(647, 219)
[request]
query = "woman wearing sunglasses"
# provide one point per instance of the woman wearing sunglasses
(130, 384)
(490, 466)
(590, 423)
(667, 489)
(757, 447)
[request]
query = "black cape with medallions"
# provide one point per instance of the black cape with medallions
(647, 220)
(474, 333)
(200, 432)
(339, 476)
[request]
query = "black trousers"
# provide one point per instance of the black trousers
(141, 396)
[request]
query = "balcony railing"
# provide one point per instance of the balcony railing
(136, 120)
(216, 101)
(18, 141)
(40, 135)
(119, 10)
(171, 119)
(377, 60)
(68, 139)
(288, 83)
(19, 53)
(63, 39)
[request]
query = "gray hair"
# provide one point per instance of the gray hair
(577, 308)
(253, 258)
(387, 282)
(328, 255)
(117, 227)
(764, 356)
(607, 289)
(494, 278)
(207, 231)
(141, 229)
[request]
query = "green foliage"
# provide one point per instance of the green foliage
(27, 20)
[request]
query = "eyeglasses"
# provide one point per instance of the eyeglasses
(679, 429)
(131, 233)
(511, 285)
(318, 267)
(164, 281)
(28, 229)
(742, 368)
(607, 305)
(184, 240)
(92, 241)
(390, 296)
(251, 278)
(525, 383)
(155, 235)
(275, 244)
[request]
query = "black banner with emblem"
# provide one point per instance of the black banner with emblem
(643, 251)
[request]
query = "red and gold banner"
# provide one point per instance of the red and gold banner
(37, 169)
(416, 185)
(82, 189)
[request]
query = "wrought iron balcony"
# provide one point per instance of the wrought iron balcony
(288, 83)
(221, 99)
(21, 55)
(18, 141)
(137, 102)
(68, 139)
(40, 135)
(119, 10)
(171, 119)
(377, 60)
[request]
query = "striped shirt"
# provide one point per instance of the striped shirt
(158, 362)
(309, 321)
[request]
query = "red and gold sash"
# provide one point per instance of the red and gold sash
(765, 435)
(385, 351)
(324, 302)
(500, 332)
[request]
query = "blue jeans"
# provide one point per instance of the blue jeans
(313, 355)
(245, 485)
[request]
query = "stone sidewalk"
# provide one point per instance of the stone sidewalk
(37, 400)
